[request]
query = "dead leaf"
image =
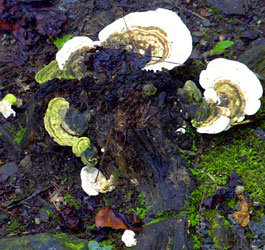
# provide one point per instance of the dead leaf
(69, 217)
(242, 216)
(107, 218)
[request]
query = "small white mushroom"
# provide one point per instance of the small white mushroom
(94, 182)
(7, 102)
(162, 29)
(181, 131)
(128, 238)
(6, 110)
(71, 46)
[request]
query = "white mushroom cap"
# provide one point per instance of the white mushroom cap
(128, 238)
(94, 182)
(71, 46)
(5, 109)
(239, 74)
(161, 23)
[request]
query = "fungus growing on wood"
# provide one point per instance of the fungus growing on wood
(69, 61)
(53, 121)
(232, 91)
(211, 119)
(82, 148)
(71, 46)
(52, 71)
(6, 103)
(162, 29)
(94, 182)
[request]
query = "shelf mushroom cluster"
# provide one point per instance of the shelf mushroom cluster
(160, 30)
(60, 125)
(232, 91)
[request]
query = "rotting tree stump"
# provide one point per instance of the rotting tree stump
(142, 133)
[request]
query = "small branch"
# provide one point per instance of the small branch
(210, 176)
(104, 153)
(36, 192)
(194, 13)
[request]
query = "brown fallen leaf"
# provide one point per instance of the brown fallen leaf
(242, 216)
(107, 218)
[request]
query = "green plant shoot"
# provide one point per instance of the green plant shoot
(59, 42)
(222, 46)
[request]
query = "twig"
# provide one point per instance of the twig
(192, 12)
(104, 153)
(210, 176)
(60, 189)
(131, 38)
(6, 211)
(36, 192)
(53, 202)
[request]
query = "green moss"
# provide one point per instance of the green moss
(106, 201)
(69, 199)
(244, 155)
(15, 226)
(232, 203)
(91, 227)
(18, 135)
(51, 215)
(141, 210)
(196, 242)
(70, 242)
(161, 216)
(239, 149)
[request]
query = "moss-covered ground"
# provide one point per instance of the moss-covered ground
(241, 149)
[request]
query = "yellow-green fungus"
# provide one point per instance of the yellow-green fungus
(53, 120)
(82, 144)
(50, 72)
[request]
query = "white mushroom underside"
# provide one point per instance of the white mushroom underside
(71, 46)
(90, 178)
(94, 182)
(216, 127)
(177, 34)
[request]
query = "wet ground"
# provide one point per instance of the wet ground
(42, 171)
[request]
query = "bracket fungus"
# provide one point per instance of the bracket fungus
(162, 29)
(53, 120)
(82, 148)
(69, 61)
(71, 46)
(6, 103)
(65, 124)
(94, 182)
(50, 72)
(232, 91)
(190, 92)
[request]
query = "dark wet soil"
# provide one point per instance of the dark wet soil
(120, 112)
